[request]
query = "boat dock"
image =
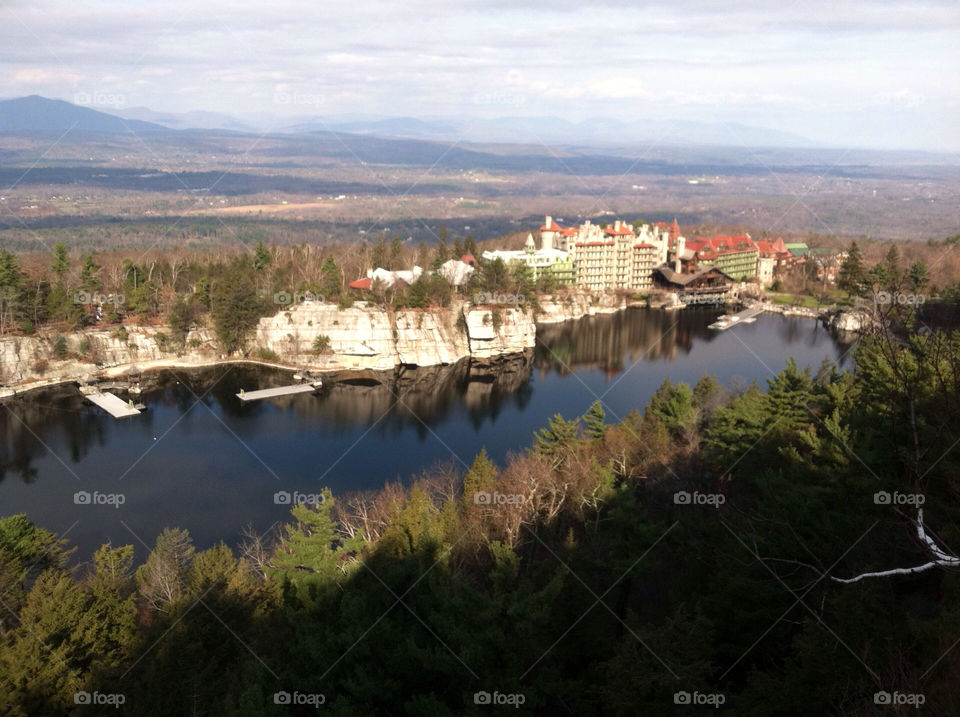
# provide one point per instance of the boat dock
(114, 405)
(247, 396)
(745, 316)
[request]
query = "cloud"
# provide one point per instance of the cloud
(560, 57)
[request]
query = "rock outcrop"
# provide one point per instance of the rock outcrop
(852, 320)
(360, 338)
(567, 306)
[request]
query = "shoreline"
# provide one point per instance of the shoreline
(199, 362)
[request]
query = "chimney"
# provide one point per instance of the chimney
(548, 222)
(679, 249)
(616, 225)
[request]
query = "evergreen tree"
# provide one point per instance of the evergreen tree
(918, 277)
(593, 419)
(852, 272)
(557, 437)
(261, 257)
(88, 274)
(892, 263)
(61, 262)
(331, 280)
(480, 478)
(236, 308)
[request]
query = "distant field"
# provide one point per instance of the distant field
(411, 189)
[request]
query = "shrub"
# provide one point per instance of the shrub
(265, 354)
(59, 347)
(345, 301)
(321, 344)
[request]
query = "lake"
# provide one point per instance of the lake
(200, 460)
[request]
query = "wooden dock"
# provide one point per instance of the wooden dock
(741, 317)
(114, 405)
(247, 396)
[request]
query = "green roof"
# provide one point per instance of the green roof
(797, 248)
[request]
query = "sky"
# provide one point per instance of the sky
(878, 74)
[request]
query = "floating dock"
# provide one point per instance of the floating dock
(246, 396)
(747, 316)
(114, 405)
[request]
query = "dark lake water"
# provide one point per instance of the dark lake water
(197, 459)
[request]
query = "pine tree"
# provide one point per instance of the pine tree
(558, 436)
(892, 263)
(480, 478)
(261, 257)
(61, 262)
(331, 280)
(593, 419)
(311, 548)
(918, 276)
(88, 273)
(852, 272)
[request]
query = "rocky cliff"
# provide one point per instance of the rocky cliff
(362, 337)
(566, 306)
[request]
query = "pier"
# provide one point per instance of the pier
(741, 317)
(247, 396)
(114, 405)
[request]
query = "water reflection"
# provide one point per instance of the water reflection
(199, 459)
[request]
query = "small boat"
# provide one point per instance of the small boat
(718, 325)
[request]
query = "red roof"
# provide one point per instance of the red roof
(469, 259)
(644, 246)
(361, 284)
(721, 244)
(674, 229)
(568, 232)
(554, 227)
(771, 246)
(623, 231)
(595, 243)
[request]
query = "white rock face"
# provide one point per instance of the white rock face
(31, 358)
(567, 306)
(490, 336)
(361, 337)
(851, 321)
(428, 338)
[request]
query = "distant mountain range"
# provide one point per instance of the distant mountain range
(187, 120)
(594, 132)
(39, 114)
